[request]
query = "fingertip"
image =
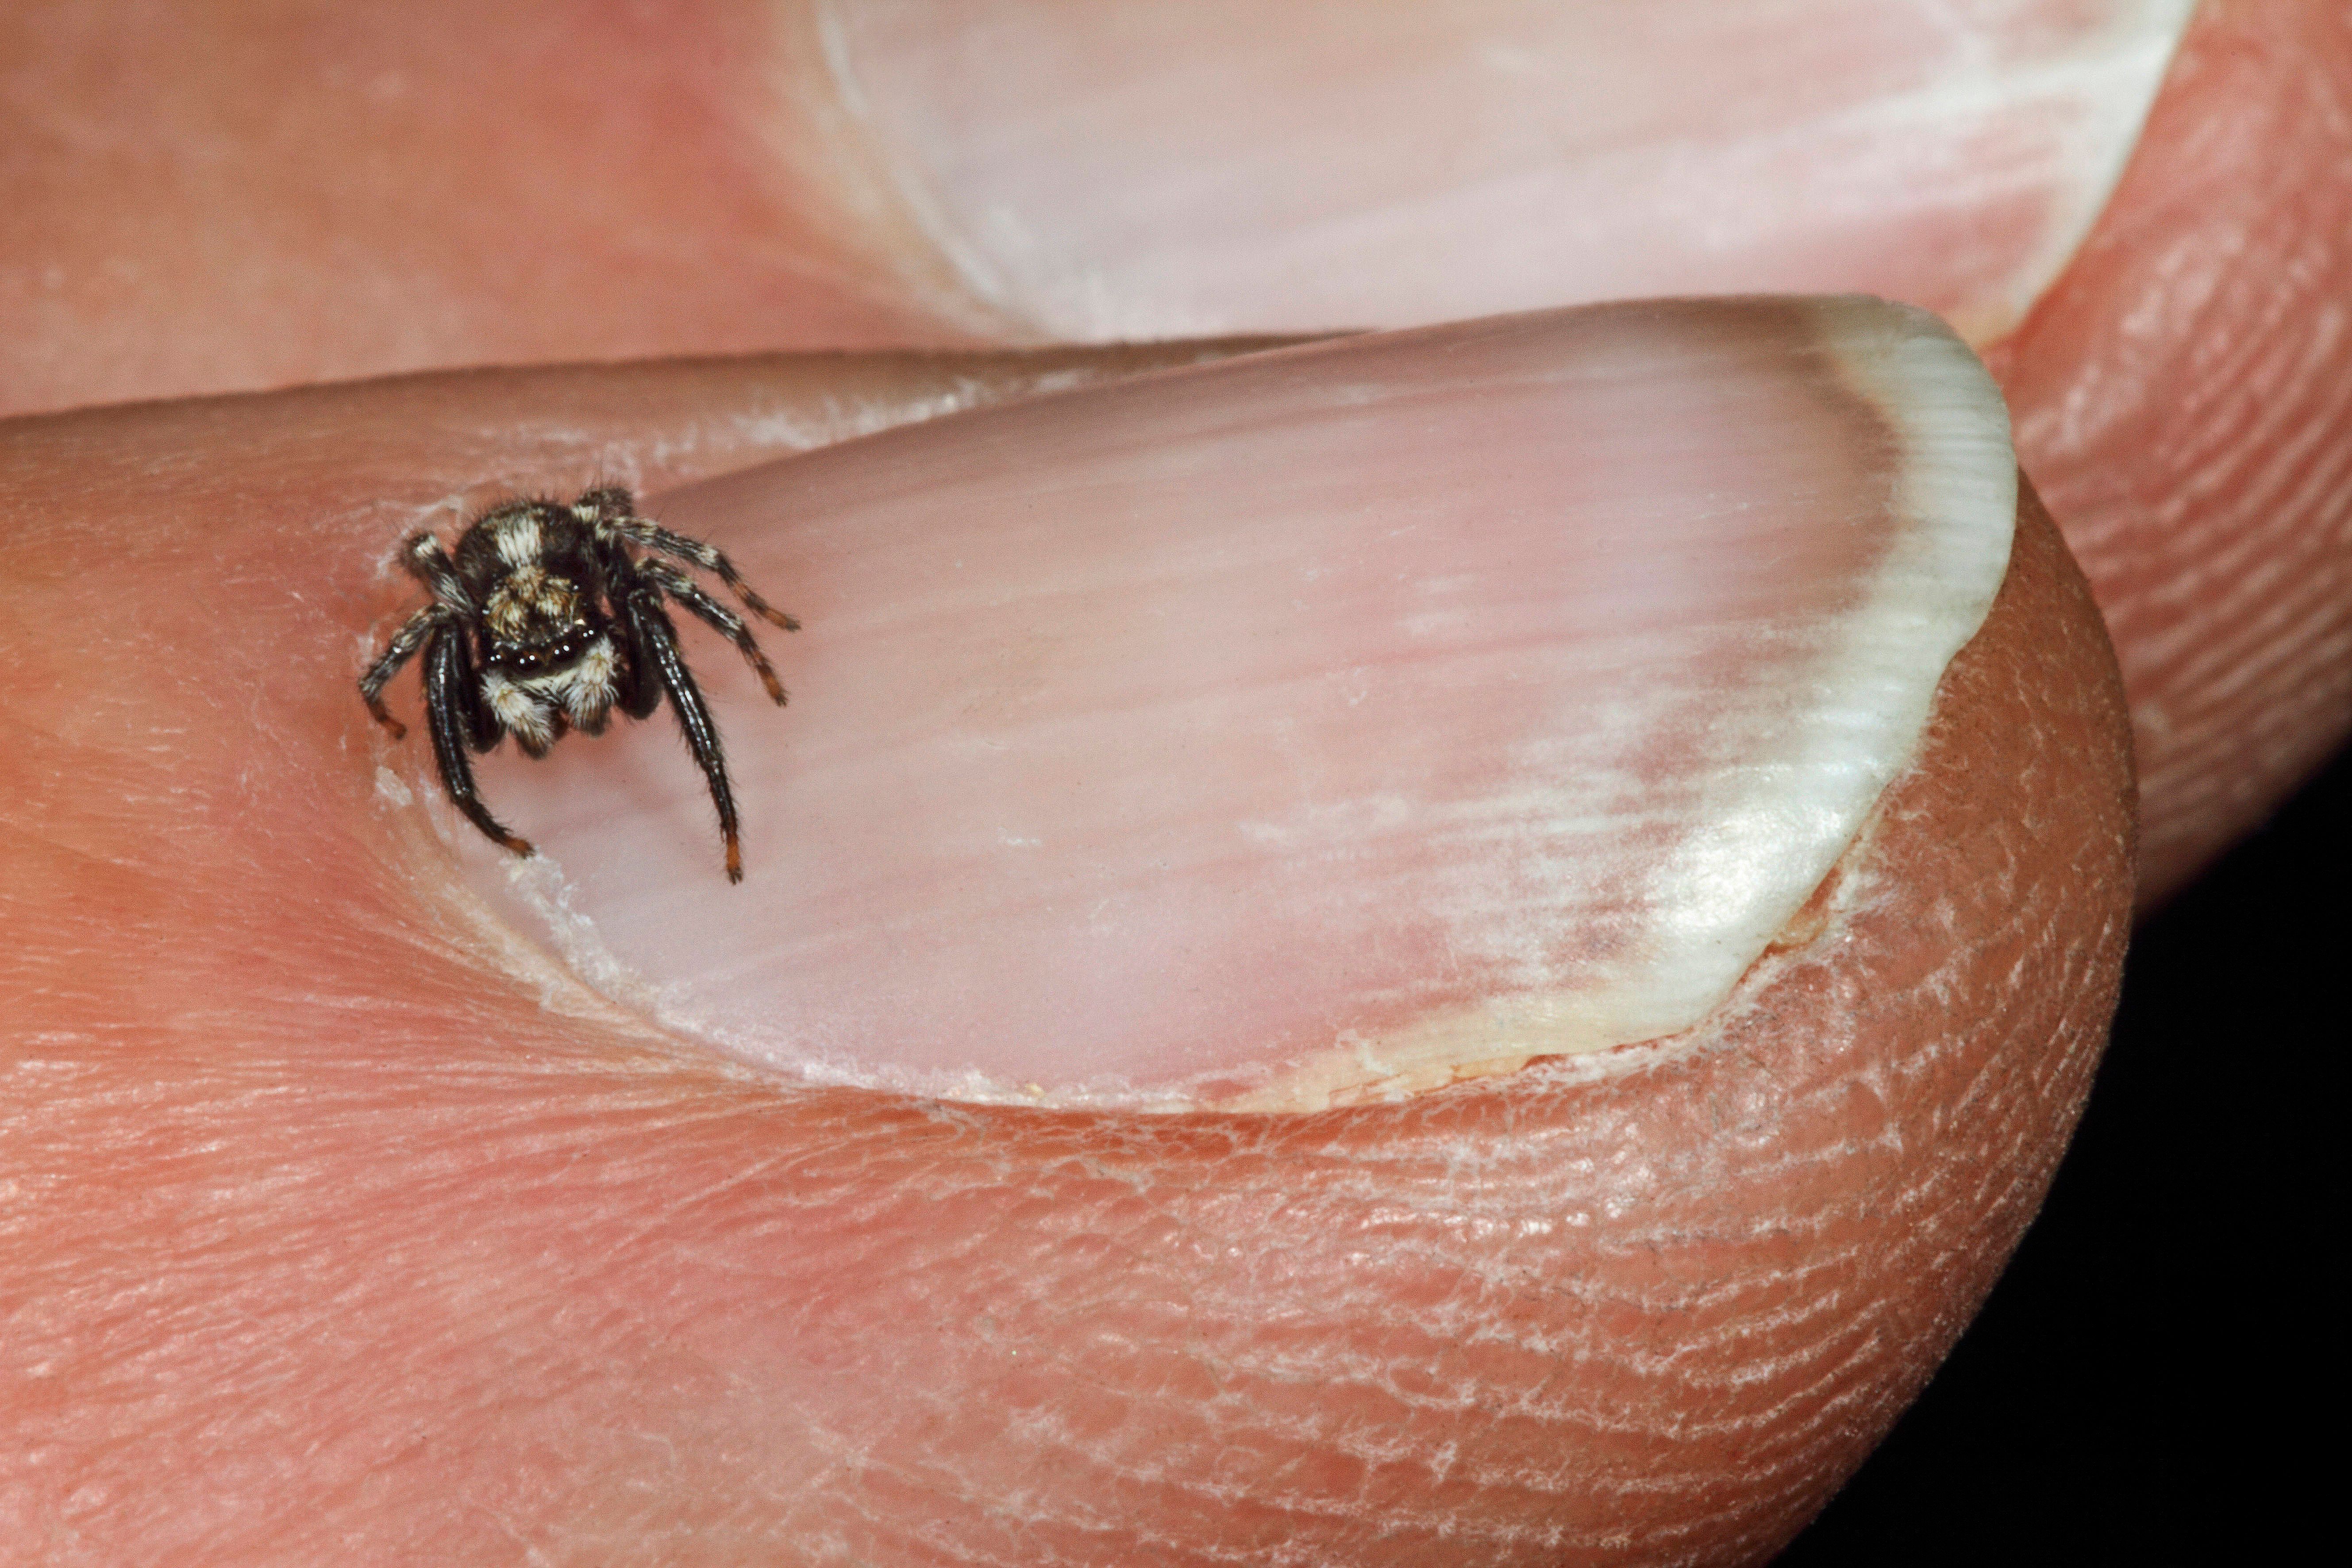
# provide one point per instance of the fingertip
(2179, 401)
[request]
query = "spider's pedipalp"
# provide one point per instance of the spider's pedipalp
(451, 699)
(519, 712)
(653, 646)
(718, 617)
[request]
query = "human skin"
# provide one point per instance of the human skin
(489, 1261)
(2073, 349)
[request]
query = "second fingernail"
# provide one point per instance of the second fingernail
(1146, 170)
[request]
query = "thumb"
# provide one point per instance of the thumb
(360, 1219)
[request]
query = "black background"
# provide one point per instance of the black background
(2119, 1399)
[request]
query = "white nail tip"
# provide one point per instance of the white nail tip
(1329, 725)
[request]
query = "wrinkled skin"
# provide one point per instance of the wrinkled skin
(438, 1260)
(2183, 400)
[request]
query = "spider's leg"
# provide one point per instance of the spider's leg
(653, 642)
(636, 689)
(448, 692)
(717, 616)
(606, 503)
(398, 652)
(483, 728)
(426, 561)
(647, 535)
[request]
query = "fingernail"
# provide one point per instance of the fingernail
(1317, 725)
(1133, 170)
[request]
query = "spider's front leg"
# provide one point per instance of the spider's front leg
(398, 652)
(422, 555)
(430, 564)
(453, 704)
(653, 655)
(718, 617)
(614, 513)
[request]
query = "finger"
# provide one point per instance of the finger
(453, 184)
(425, 1241)
(543, 183)
(2184, 401)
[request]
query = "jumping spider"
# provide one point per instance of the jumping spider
(543, 621)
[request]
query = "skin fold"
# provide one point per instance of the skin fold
(325, 1241)
(487, 1263)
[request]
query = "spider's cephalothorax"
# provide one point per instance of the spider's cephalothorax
(544, 619)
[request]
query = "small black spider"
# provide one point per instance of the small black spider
(542, 620)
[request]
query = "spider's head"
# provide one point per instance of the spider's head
(537, 688)
(551, 661)
(533, 609)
